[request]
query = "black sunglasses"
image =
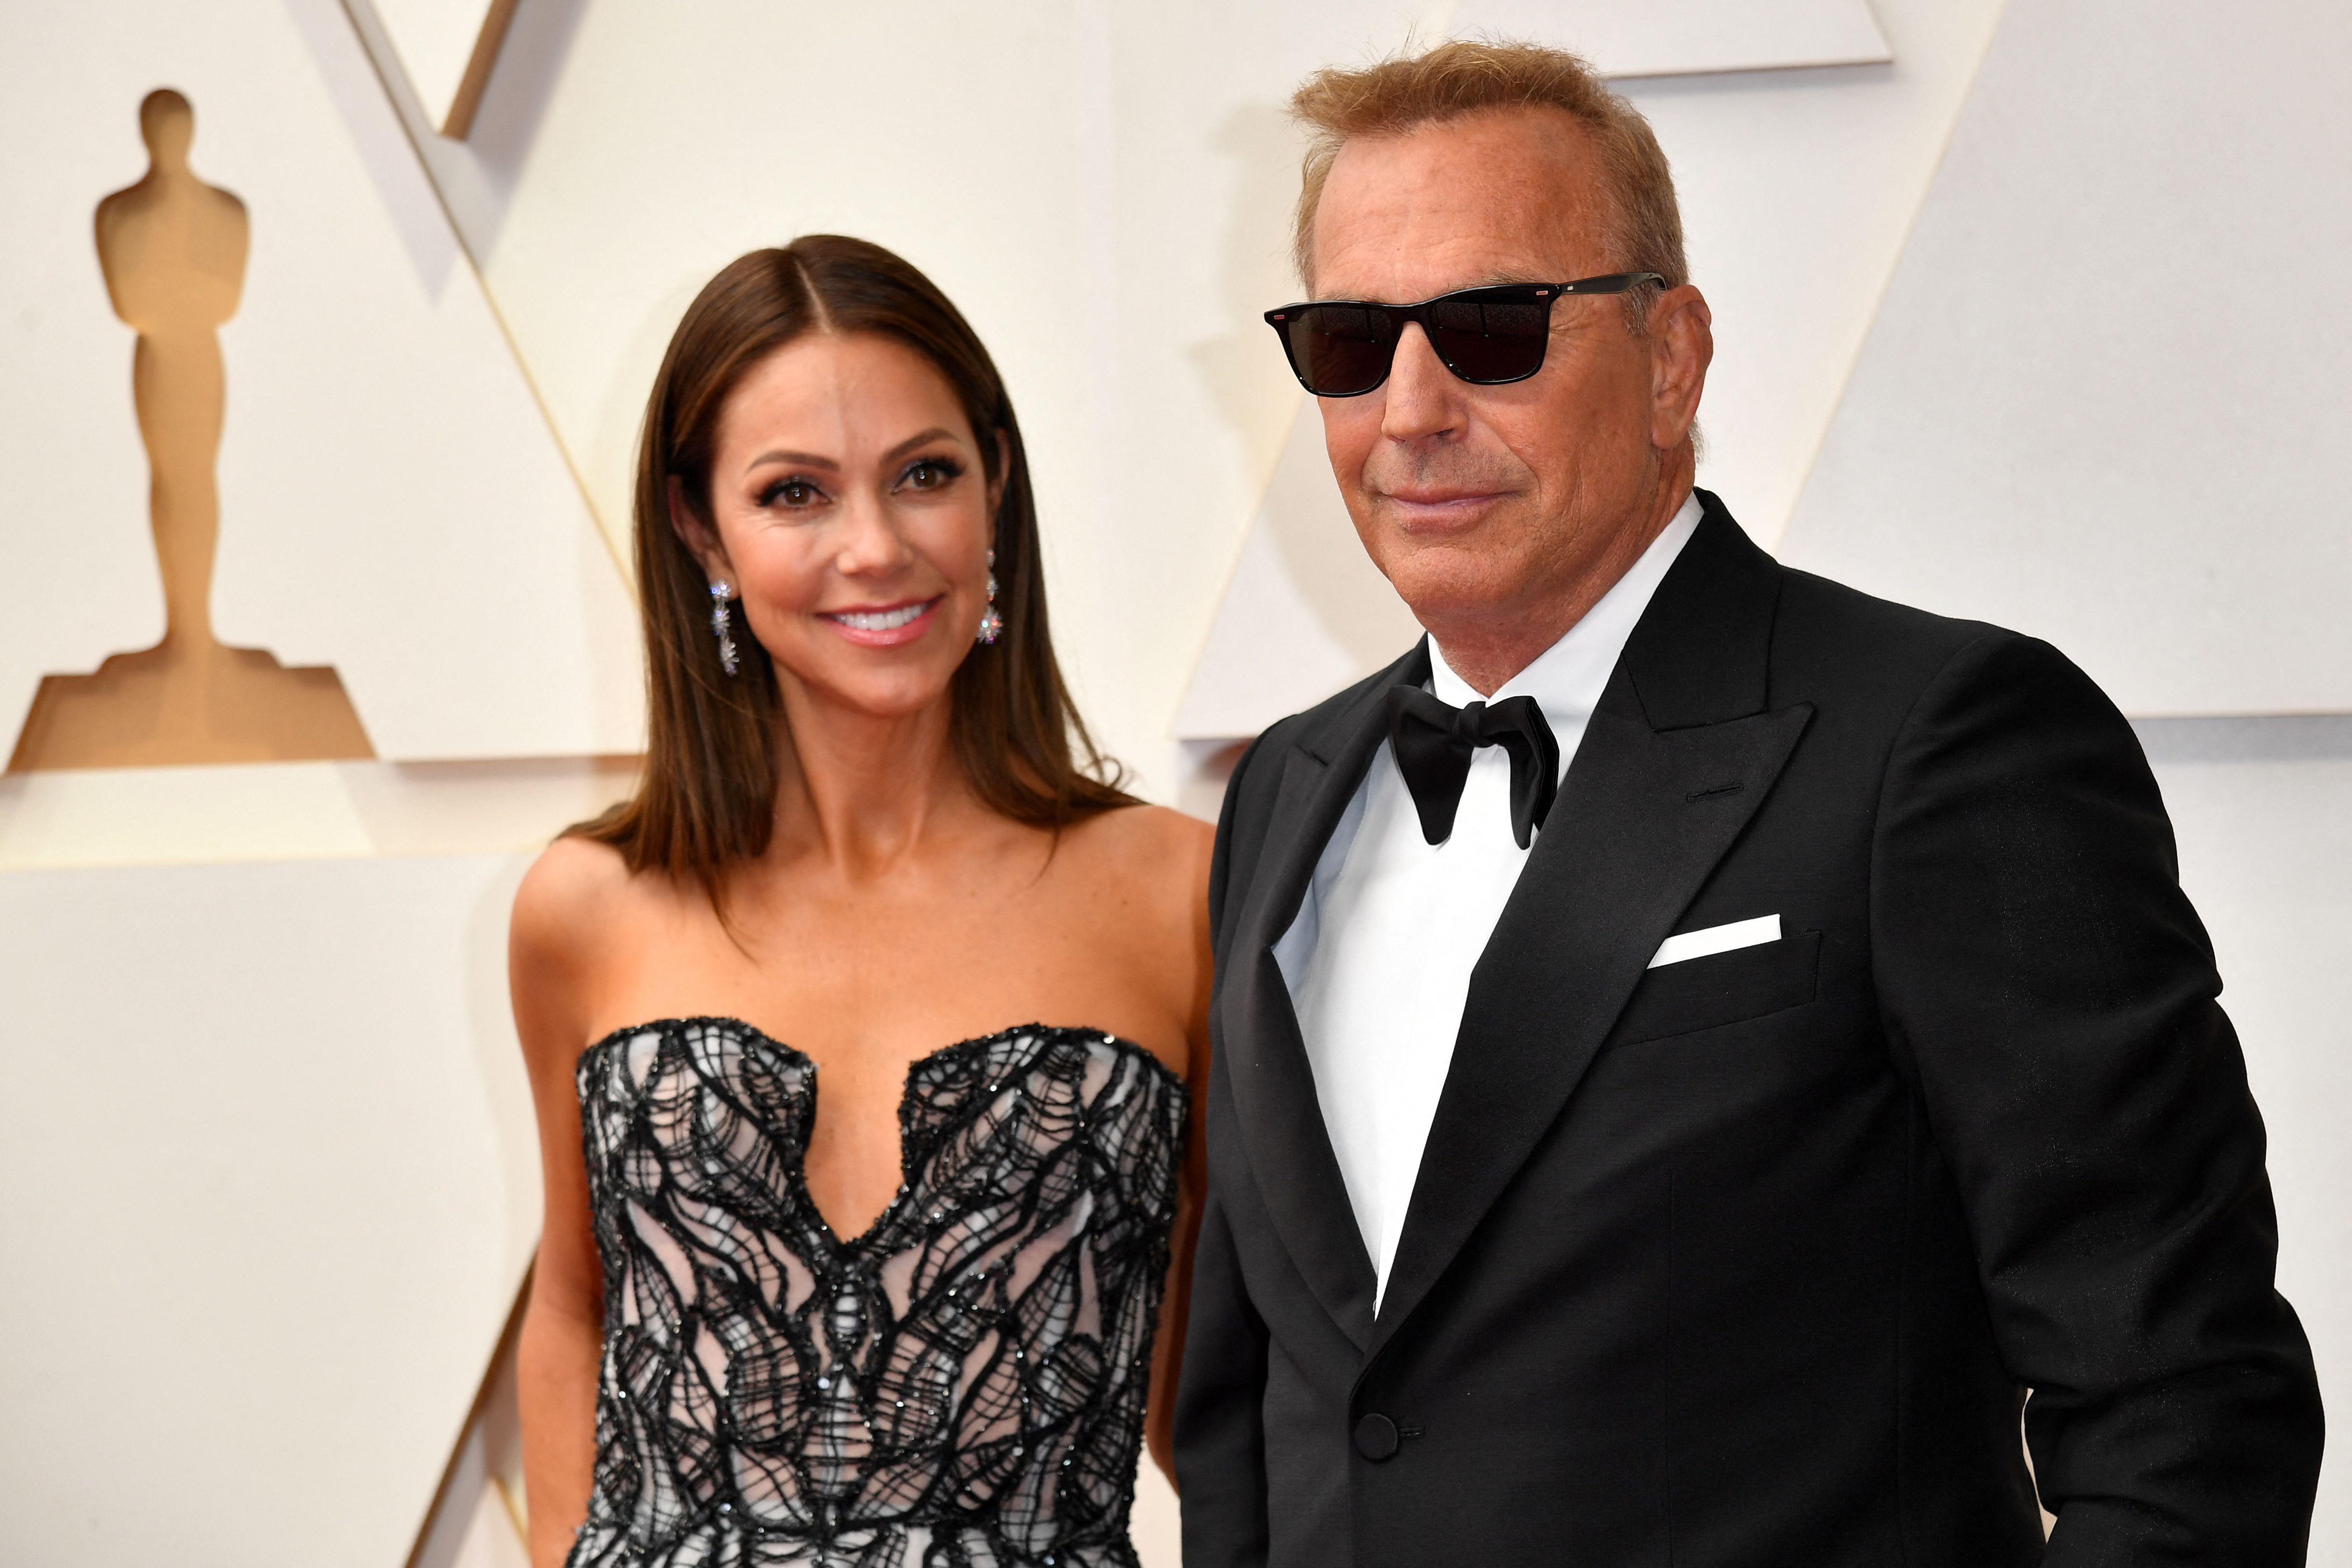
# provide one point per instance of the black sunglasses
(1342, 348)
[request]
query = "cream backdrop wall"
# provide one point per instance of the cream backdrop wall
(260, 1007)
(2106, 397)
(260, 1135)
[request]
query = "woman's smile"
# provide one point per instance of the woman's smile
(885, 626)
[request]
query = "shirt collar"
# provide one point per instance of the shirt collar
(1567, 678)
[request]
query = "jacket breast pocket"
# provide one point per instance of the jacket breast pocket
(1722, 988)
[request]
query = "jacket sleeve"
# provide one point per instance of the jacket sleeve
(2052, 993)
(1220, 1400)
(1220, 1431)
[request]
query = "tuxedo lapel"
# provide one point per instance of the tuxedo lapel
(1679, 753)
(1265, 1058)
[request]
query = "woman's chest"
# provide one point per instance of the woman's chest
(867, 989)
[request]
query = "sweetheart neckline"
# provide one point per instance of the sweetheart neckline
(798, 1174)
(913, 1068)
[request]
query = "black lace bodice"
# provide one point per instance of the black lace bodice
(963, 1384)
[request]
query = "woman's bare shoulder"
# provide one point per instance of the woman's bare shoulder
(1152, 855)
(576, 916)
(571, 895)
(1151, 836)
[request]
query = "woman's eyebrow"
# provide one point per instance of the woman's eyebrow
(935, 433)
(801, 460)
(812, 461)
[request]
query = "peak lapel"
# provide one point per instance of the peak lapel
(1680, 753)
(1264, 1055)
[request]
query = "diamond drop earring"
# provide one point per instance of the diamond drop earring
(720, 625)
(991, 623)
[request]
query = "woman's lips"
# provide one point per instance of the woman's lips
(885, 626)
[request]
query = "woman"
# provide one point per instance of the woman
(818, 1286)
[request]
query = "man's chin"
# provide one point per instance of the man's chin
(1441, 585)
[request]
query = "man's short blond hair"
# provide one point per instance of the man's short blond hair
(1466, 76)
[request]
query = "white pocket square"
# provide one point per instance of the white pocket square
(1691, 945)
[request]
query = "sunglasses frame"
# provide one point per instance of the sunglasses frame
(1544, 293)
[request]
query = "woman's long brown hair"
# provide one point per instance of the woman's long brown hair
(716, 744)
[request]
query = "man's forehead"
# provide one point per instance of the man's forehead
(1508, 196)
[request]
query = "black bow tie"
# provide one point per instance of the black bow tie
(1435, 741)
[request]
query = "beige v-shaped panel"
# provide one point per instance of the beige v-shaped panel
(1680, 38)
(2105, 398)
(447, 50)
(391, 502)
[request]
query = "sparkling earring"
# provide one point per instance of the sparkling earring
(991, 623)
(720, 594)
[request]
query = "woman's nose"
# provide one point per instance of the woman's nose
(870, 541)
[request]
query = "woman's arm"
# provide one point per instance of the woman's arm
(1168, 1353)
(562, 1326)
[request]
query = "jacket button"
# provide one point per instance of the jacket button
(1376, 1438)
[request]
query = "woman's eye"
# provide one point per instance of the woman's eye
(931, 474)
(791, 493)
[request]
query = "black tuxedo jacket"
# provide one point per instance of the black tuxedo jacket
(1750, 1259)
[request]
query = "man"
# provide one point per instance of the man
(1700, 1165)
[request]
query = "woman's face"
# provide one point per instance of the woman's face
(853, 517)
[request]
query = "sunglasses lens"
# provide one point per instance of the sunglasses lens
(1490, 340)
(1341, 349)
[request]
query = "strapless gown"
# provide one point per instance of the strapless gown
(963, 1384)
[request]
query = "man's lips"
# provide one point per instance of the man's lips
(883, 625)
(1438, 507)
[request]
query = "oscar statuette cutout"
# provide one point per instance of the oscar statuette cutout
(173, 252)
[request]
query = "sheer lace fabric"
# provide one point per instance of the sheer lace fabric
(963, 1384)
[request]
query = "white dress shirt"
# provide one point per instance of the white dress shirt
(1378, 958)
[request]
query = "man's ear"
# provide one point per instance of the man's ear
(1682, 345)
(699, 538)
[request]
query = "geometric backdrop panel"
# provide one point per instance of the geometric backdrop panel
(1674, 37)
(2105, 398)
(445, 49)
(273, 1184)
(393, 502)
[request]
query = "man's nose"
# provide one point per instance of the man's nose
(1422, 395)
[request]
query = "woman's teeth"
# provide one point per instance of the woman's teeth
(880, 620)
